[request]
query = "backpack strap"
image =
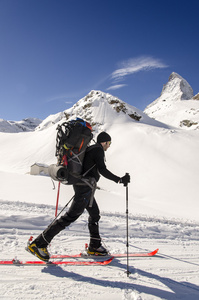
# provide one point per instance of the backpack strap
(87, 150)
(91, 182)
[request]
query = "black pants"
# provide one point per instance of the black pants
(80, 202)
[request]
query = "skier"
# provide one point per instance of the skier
(93, 166)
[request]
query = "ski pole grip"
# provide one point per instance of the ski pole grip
(126, 183)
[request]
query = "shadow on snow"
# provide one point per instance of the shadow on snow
(184, 290)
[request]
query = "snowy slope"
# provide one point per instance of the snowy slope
(176, 105)
(163, 210)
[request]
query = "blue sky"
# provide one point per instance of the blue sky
(53, 52)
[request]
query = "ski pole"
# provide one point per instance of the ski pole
(65, 163)
(61, 211)
(127, 229)
(57, 199)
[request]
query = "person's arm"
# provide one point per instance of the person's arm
(103, 169)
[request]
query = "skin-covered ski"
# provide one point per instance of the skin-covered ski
(145, 254)
(139, 254)
(17, 262)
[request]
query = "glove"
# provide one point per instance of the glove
(125, 179)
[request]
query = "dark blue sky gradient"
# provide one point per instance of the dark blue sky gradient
(52, 53)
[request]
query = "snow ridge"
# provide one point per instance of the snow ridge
(24, 125)
(99, 108)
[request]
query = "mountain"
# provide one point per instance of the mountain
(176, 105)
(99, 108)
(24, 125)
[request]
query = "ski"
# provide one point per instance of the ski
(17, 262)
(84, 255)
(139, 254)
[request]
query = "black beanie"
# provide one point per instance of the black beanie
(103, 137)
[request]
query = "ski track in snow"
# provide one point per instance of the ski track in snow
(172, 274)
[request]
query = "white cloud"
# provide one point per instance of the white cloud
(143, 63)
(117, 86)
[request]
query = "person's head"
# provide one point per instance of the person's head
(104, 139)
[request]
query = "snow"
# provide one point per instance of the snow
(163, 212)
(172, 274)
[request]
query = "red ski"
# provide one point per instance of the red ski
(80, 255)
(139, 254)
(17, 262)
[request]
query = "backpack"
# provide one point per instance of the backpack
(72, 140)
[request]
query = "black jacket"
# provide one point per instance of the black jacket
(94, 164)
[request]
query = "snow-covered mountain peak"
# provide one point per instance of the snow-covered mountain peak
(100, 110)
(176, 105)
(178, 88)
(99, 107)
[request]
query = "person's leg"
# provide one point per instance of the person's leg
(81, 200)
(95, 245)
(93, 225)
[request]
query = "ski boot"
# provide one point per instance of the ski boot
(97, 251)
(41, 253)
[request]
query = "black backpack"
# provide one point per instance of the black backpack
(72, 140)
